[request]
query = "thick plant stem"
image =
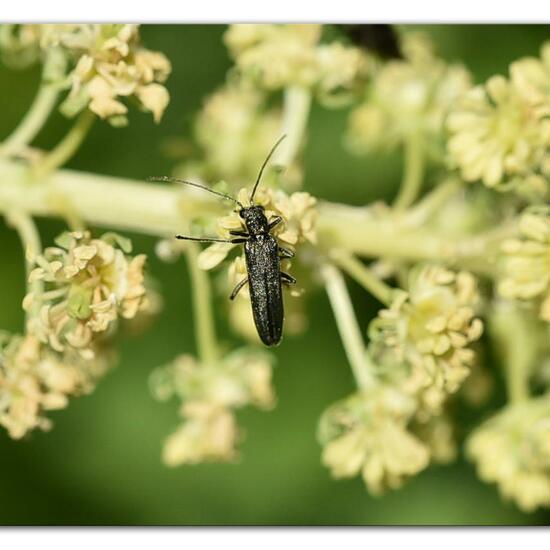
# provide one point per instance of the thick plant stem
(297, 102)
(363, 275)
(67, 147)
(163, 210)
(30, 239)
(347, 326)
(413, 173)
(202, 307)
(41, 108)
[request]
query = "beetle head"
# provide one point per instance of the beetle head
(254, 218)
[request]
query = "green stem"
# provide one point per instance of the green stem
(41, 108)
(347, 326)
(160, 210)
(430, 203)
(363, 275)
(413, 173)
(297, 102)
(360, 231)
(30, 239)
(32, 122)
(515, 338)
(202, 307)
(67, 147)
(517, 383)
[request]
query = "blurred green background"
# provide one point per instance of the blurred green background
(101, 462)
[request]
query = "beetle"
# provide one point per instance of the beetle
(263, 256)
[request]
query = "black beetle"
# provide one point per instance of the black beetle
(263, 260)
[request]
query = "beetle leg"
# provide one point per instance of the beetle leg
(238, 288)
(286, 252)
(238, 240)
(239, 233)
(275, 221)
(288, 279)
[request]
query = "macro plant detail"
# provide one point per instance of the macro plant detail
(459, 261)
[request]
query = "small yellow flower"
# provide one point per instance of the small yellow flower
(406, 98)
(19, 44)
(240, 378)
(112, 65)
(210, 393)
(235, 129)
(430, 329)
(495, 135)
(35, 379)
(90, 283)
(342, 73)
(531, 78)
(368, 433)
(277, 56)
(512, 450)
(526, 260)
(109, 65)
(208, 434)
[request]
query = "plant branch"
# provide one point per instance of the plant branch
(297, 101)
(347, 326)
(363, 275)
(202, 307)
(30, 239)
(41, 107)
(431, 202)
(67, 147)
(162, 211)
(515, 338)
(413, 173)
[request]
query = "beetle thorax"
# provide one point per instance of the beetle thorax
(255, 220)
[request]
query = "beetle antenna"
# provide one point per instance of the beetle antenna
(202, 239)
(264, 165)
(177, 180)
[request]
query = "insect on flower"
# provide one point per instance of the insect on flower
(263, 259)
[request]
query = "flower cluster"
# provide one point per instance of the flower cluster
(526, 260)
(108, 64)
(368, 433)
(512, 449)
(424, 345)
(297, 210)
(278, 56)
(19, 44)
(430, 330)
(35, 379)
(234, 129)
(210, 393)
(111, 65)
(86, 285)
(499, 131)
(407, 98)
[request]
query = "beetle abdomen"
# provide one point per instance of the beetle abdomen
(264, 278)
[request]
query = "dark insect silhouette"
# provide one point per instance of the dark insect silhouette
(263, 256)
(379, 39)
